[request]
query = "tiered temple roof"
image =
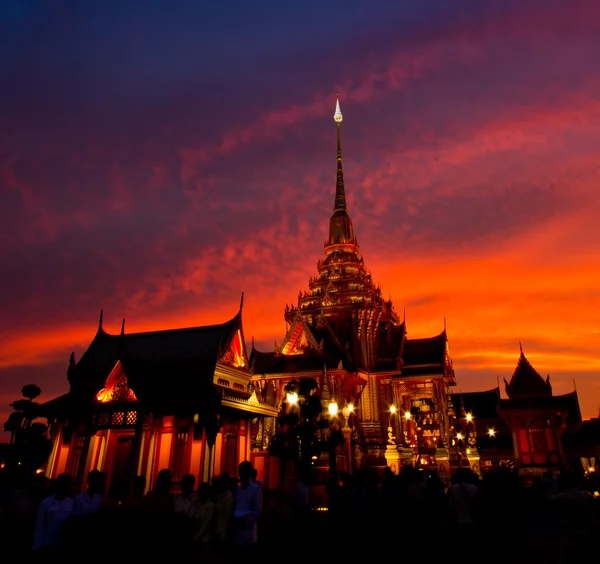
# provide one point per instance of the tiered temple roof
(526, 381)
(191, 353)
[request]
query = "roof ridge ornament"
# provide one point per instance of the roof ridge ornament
(337, 116)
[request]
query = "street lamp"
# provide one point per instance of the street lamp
(333, 408)
(292, 398)
(346, 411)
(492, 432)
(469, 417)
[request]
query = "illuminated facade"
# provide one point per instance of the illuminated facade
(192, 400)
(180, 399)
(346, 336)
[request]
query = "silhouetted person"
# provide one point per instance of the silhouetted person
(205, 521)
(185, 502)
(223, 515)
(88, 502)
(52, 513)
(247, 509)
(160, 499)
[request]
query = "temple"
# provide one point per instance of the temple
(180, 399)
(194, 401)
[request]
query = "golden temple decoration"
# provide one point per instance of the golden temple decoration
(116, 388)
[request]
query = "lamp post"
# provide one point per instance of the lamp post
(347, 410)
(333, 441)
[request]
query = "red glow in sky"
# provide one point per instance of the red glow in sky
(160, 179)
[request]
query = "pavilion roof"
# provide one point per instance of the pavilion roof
(526, 381)
(428, 355)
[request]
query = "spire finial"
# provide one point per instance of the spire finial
(337, 116)
(242, 301)
(340, 192)
(123, 327)
(521, 347)
(100, 320)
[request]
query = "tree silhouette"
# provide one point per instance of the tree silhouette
(30, 391)
(13, 424)
(29, 445)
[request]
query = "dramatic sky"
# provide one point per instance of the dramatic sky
(157, 158)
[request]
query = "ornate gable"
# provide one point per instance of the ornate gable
(117, 387)
(235, 353)
(298, 340)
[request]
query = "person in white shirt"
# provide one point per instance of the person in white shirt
(88, 502)
(247, 508)
(52, 512)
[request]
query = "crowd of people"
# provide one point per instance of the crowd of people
(215, 522)
(551, 518)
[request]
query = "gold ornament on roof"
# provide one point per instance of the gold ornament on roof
(337, 116)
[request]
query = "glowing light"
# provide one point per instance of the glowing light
(469, 417)
(292, 398)
(333, 408)
(393, 409)
(407, 415)
(348, 409)
(39, 471)
(337, 116)
(459, 436)
(492, 432)
(596, 494)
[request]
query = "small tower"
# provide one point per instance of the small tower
(536, 418)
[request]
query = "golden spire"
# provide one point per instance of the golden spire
(340, 192)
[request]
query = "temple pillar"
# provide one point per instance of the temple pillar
(50, 465)
(210, 432)
(135, 452)
(154, 433)
(82, 460)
